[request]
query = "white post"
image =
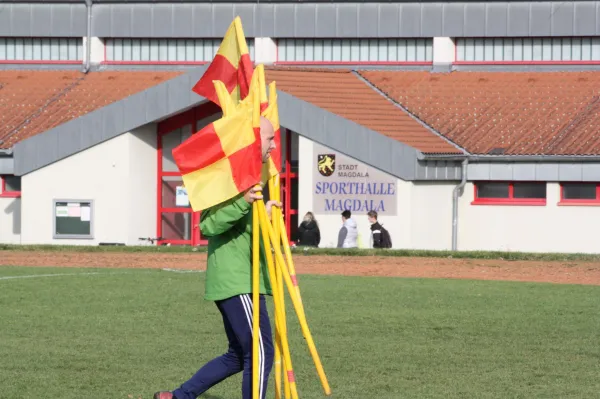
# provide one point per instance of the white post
(97, 50)
(265, 50)
(444, 51)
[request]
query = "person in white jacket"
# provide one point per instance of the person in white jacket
(348, 235)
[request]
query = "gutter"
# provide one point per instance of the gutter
(8, 151)
(510, 158)
(88, 43)
(455, 194)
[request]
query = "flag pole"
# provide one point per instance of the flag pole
(287, 359)
(281, 325)
(255, 298)
(267, 228)
(274, 190)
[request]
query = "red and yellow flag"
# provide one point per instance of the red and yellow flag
(231, 65)
(273, 167)
(269, 110)
(223, 159)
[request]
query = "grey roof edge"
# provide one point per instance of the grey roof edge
(350, 138)
(175, 95)
(147, 106)
(407, 111)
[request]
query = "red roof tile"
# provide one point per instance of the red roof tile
(545, 113)
(32, 102)
(343, 93)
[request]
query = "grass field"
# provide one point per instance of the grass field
(130, 332)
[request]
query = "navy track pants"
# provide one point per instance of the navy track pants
(237, 319)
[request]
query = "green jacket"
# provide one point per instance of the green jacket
(228, 227)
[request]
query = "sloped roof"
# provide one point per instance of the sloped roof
(503, 113)
(32, 102)
(343, 93)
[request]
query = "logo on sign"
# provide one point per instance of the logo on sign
(326, 164)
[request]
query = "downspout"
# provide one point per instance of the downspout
(88, 43)
(455, 194)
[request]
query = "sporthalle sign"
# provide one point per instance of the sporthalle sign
(341, 183)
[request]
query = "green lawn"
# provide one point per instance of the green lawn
(131, 332)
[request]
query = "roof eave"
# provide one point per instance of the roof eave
(510, 158)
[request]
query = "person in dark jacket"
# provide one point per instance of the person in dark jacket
(377, 238)
(308, 231)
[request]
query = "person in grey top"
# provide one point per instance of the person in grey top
(348, 235)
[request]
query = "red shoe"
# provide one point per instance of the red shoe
(163, 395)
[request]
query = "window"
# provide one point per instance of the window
(10, 186)
(164, 51)
(529, 50)
(509, 193)
(358, 51)
(73, 219)
(579, 194)
(32, 50)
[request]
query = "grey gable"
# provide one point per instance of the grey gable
(153, 104)
(175, 96)
(6, 165)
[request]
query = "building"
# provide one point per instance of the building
(467, 125)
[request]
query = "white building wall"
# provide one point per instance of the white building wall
(142, 184)
(265, 50)
(444, 50)
(10, 220)
(96, 50)
(424, 219)
(431, 215)
(119, 175)
(550, 228)
(399, 226)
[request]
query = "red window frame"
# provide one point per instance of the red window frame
(581, 202)
(191, 117)
(7, 194)
(511, 200)
(277, 62)
(286, 177)
(556, 62)
(42, 62)
(105, 61)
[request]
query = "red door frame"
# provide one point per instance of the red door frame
(286, 184)
(191, 117)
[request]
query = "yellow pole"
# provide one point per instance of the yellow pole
(279, 218)
(255, 298)
(297, 306)
(276, 297)
(288, 255)
(279, 324)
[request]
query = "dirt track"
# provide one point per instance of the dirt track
(554, 272)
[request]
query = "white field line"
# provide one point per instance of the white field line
(166, 269)
(90, 274)
(57, 275)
